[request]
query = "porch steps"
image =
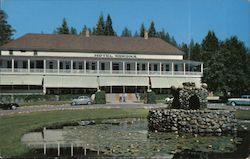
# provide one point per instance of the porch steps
(114, 98)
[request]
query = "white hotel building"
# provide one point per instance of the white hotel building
(55, 64)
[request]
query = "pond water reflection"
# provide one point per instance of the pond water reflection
(130, 138)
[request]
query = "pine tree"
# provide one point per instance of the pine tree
(73, 31)
(126, 32)
(210, 45)
(94, 31)
(172, 41)
(136, 34)
(142, 30)
(196, 52)
(100, 26)
(6, 30)
(63, 29)
(108, 30)
(151, 30)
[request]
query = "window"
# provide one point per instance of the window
(87, 65)
(167, 68)
(80, 66)
(25, 64)
(61, 65)
(143, 67)
(50, 65)
(115, 66)
(74, 65)
(128, 66)
(176, 68)
(93, 66)
(9, 64)
(67, 66)
(39, 64)
(155, 67)
(15, 64)
(102, 66)
(11, 52)
(32, 64)
(35, 53)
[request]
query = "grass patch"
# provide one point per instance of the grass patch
(45, 103)
(243, 114)
(13, 127)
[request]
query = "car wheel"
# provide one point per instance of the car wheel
(89, 103)
(73, 103)
(233, 103)
(13, 107)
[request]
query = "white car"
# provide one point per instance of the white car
(244, 100)
(81, 100)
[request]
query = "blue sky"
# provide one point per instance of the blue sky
(184, 19)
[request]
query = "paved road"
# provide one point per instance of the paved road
(29, 109)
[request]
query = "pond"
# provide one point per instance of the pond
(131, 138)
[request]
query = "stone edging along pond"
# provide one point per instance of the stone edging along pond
(192, 121)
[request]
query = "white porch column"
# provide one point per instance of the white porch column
(110, 64)
(123, 67)
(71, 66)
(84, 65)
(202, 68)
(172, 68)
(28, 65)
(12, 65)
(98, 67)
(44, 66)
(160, 68)
(148, 68)
(58, 66)
(184, 68)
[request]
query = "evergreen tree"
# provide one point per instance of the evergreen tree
(136, 34)
(100, 26)
(94, 31)
(73, 31)
(6, 31)
(142, 30)
(126, 32)
(108, 30)
(209, 45)
(63, 29)
(172, 41)
(184, 48)
(212, 66)
(196, 52)
(235, 63)
(151, 30)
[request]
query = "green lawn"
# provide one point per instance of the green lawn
(243, 114)
(13, 127)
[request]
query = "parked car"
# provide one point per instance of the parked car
(244, 100)
(81, 100)
(4, 105)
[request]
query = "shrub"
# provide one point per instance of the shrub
(150, 98)
(100, 97)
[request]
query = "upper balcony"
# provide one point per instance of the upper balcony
(83, 67)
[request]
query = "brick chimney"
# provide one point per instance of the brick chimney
(87, 33)
(145, 35)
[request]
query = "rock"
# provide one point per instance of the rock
(174, 128)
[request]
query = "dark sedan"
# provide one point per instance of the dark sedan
(6, 106)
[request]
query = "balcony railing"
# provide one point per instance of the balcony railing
(82, 71)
